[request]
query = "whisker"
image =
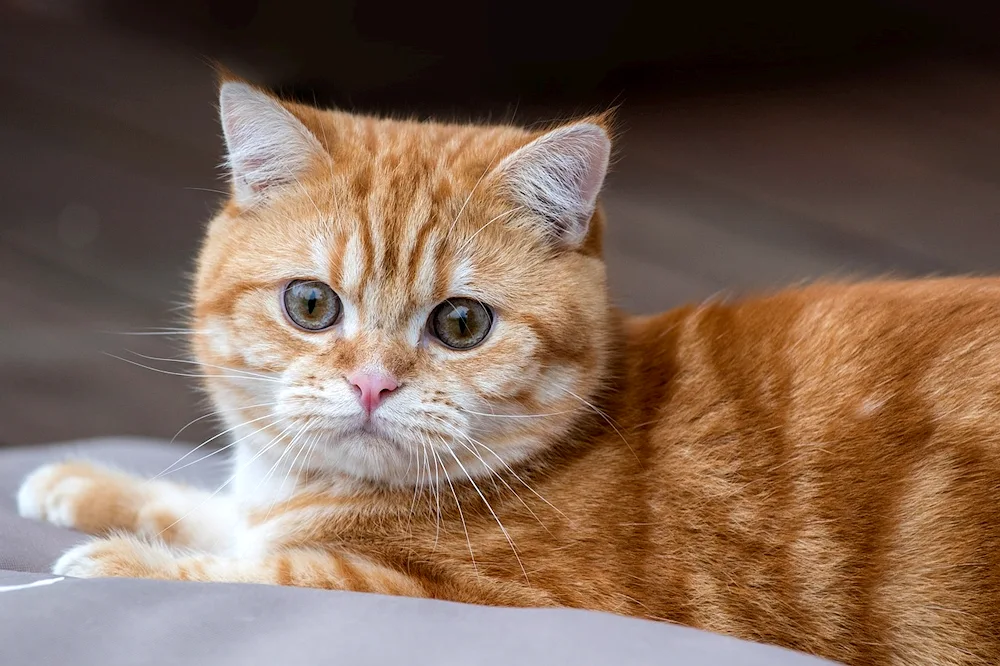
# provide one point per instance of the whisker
(413, 456)
(516, 416)
(216, 413)
(207, 189)
(458, 504)
(465, 203)
(416, 486)
(505, 213)
(187, 374)
(493, 472)
(437, 497)
(219, 450)
(164, 331)
(523, 482)
(277, 495)
(490, 507)
(301, 447)
(200, 364)
(427, 467)
(217, 490)
(606, 418)
(307, 463)
(210, 439)
(277, 462)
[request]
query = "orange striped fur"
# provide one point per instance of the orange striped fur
(819, 469)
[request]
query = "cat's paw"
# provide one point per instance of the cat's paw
(123, 557)
(86, 497)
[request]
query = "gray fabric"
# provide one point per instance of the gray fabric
(121, 621)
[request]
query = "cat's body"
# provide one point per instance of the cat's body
(818, 469)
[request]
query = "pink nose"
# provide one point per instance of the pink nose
(372, 387)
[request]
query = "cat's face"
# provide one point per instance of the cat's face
(397, 301)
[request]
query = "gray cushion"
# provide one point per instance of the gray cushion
(123, 621)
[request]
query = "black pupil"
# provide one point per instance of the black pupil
(311, 303)
(461, 315)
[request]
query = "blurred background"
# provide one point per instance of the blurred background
(763, 143)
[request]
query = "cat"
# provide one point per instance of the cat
(406, 328)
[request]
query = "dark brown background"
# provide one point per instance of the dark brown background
(763, 143)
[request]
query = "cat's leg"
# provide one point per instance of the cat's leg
(132, 557)
(99, 500)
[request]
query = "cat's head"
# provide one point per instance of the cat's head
(397, 299)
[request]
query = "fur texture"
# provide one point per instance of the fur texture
(818, 469)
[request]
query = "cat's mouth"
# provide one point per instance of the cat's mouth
(368, 430)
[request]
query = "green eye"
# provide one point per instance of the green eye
(311, 305)
(461, 323)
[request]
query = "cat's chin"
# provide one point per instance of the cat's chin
(368, 452)
(385, 452)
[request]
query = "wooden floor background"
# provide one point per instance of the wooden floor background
(109, 166)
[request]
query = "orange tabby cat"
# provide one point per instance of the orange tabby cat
(407, 329)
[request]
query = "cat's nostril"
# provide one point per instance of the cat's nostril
(372, 388)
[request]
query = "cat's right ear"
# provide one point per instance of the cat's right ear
(558, 176)
(266, 145)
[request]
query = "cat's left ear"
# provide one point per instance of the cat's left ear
(267, 146)
(558, 177)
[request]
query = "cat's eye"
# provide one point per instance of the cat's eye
(311, 305)
(461, 323)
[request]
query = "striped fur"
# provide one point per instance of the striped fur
(818, 469)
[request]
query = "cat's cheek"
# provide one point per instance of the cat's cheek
(504, 369)
(214, 334)
(557, 384)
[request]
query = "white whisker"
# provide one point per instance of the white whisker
(288, 472)
(427, 467)
(201, 364)
(437, 496)
(215, 413)
(523, 482)
(172, 469)
(458, 504)
(516, 416)
(495, 516)
(606, 418)
(277, 462)
(416, 485)
(494, 473)
(191, 375)
(207, 441)
(471, 192)
(165, 331)
(207, 189)
(217, 490)
(505, 213)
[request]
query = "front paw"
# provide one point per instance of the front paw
(87, 497)
(122, 557)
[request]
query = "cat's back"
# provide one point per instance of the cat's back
(826, 466)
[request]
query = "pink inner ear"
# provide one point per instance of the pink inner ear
(267, 145)
(559, 175)
(598, 148)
